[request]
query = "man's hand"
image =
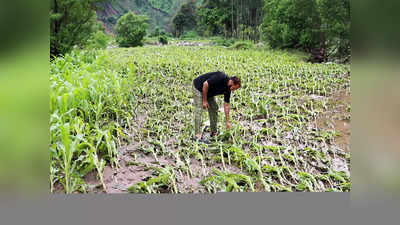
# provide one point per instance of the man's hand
(205, 105)
(228, 125)
(226, 109)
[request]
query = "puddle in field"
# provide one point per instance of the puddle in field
(337, 120)
(343, 126)
(119, 180)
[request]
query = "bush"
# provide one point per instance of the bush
(163, 39)
(223, 42)
(155, 33)
(243, 45)
(190, 35)
(320, 27)
(131, 30)
(66, 27)
(98, 40)
(167, 34)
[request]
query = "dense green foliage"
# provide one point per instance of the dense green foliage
(319, 27)
(131, 30)
(159, 12)
(155, 33)
(164, 5)
(98, 40)
(101, 100)
(185, 18)
(291, 23)
(322, 25)
(87, 109)
(71, 23)
(163, 39)
(190, 35)
(335, 26)
(231, 18)
(223, 42)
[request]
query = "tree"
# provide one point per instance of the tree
(335, 26)
(131, 29)
(230, 17)
(321, 27)
(216, 17)
(156, 32)
(71, 23)
(291, 23)
(185, 18)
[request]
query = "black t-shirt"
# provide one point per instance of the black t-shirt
(217, 84)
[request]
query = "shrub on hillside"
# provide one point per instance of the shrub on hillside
(163, 39)
(131, 30)
(98, 40)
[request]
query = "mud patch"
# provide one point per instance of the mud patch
(340, 165)
(343, 141)
(132, 170)
(191, 184)
(337, 119)
(94, 184)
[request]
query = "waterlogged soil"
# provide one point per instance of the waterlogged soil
(290, 127)
(136, 165)
(133, 170)
(120, 179)
(338, 119)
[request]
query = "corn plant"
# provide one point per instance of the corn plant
(102, 100)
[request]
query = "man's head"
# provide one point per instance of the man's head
(234, 83)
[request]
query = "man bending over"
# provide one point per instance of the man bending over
(205, 88)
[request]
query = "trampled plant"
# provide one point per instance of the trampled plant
(102, 100)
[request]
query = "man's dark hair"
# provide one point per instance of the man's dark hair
(236, 80)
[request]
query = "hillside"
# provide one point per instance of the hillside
(160, 12)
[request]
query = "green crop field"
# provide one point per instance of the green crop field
(121, 121)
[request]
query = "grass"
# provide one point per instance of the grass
(96, 98)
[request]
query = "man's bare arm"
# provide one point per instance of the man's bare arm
(226, 109)
(205, 92)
